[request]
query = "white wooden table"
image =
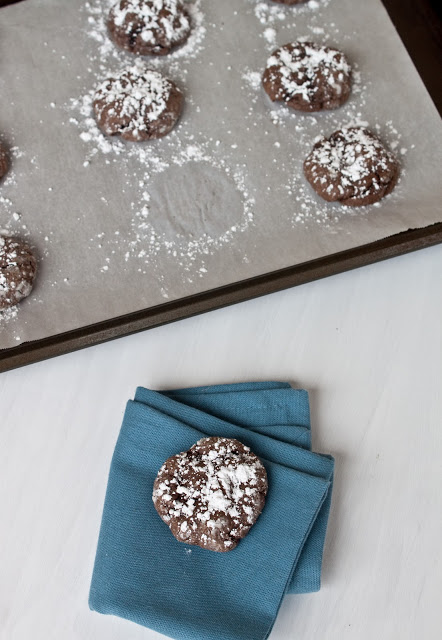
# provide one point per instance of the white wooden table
(368, 347)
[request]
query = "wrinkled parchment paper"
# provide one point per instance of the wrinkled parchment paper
(120, 227)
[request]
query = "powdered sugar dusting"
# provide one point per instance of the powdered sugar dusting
(113, 196)
(351, 166)
(308, 209)
(181, 148)
(12, 224)
(17, 271)
(270, 14)
(212, 494)
(253, 78)
(8, 314)
(299, 70)
(136, 103)
(154, 21)
(148, 241)
(98, 11)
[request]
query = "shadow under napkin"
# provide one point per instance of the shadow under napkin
(143, 574)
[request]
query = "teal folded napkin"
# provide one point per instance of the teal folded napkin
(143, 574)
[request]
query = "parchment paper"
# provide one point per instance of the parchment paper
(121, 227)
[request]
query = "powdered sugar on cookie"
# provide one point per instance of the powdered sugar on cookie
(138, 103)
(352, 167)
(308, 77)
(212, 494)
(18, 268)
(268, 13)
(149, 27)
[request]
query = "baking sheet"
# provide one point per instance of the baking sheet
(121, 227)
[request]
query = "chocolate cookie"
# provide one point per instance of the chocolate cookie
(212, 494)
(18, 267)
(308, 77)
(4, 161)
(148, 27)
(137, 104)
(351, 167)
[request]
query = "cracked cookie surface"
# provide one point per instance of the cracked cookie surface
(212, 494)
(352, 167)
(308, 77)
(18, 268)
(137, 104)
(148, 27)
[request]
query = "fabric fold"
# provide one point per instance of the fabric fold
(143, 574)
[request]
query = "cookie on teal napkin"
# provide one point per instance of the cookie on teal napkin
(143, 574)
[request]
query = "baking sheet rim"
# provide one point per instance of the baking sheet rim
(333, 264)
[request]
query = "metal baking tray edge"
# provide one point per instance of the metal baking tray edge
(425, 53)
